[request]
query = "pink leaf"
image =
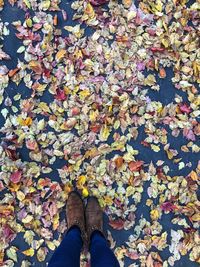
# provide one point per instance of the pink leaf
(16, 177)
(98, 2)
(1, 186)
(132, 255)
(185, 108)
(32, 145)
(8, 233)
(149, 262)
(188, 133)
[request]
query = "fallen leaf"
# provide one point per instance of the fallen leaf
(117, 224)
(135, 165)
(29, 252)
(16, 176)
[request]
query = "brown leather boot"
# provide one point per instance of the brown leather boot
(94, 217)
(75, 213)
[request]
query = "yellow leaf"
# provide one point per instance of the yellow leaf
(56, 221)
(20, 195)
(1, 251)
(194, 176)
(41, 255)
(46, 4)
(165, 42)
(108, 200)
(51, 245)
(14, 187)
(89, 10)
(81, 180)
(85, 192)
(24, 122)
(104, 133)
(27, 219)
(131, 14)
(29, 252)
(78, 54)
(60, 54)
(29, 22)
(154, 214)
(196, 217)
(40, 87)
(155, 148)
(164, 25)
(150, 80)
(44, 107)
(169, 154)
(27, 3)
(84, 93)
(94, 115)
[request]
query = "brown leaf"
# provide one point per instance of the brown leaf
(117, 224)
(135, 165)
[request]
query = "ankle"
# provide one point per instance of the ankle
(74, 228)
(96, 233)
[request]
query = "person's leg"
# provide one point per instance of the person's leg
(68, 253)
(101, 254)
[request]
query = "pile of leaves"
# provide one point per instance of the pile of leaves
(88, 106)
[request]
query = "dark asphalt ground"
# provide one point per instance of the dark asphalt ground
(165, 95)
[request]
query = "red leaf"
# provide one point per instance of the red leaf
(144, 143)
(117, 224)
(135, 165)
(95, 128)
(11, 153)
(16, 177)
(168, 206)
(60, 95)
(157, 49)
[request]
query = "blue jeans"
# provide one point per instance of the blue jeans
(68, 253)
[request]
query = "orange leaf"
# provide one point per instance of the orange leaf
(194, 176)
(55, 20)
(119, 162)
(162, 73)
(13, 72)
(28, 121)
